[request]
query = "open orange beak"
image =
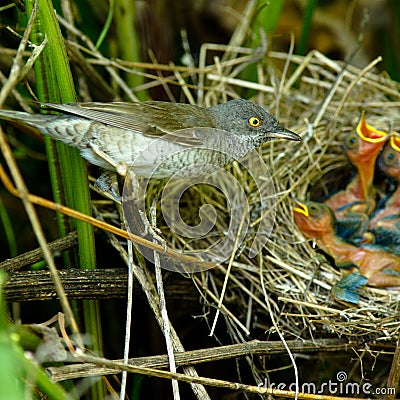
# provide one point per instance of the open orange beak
(301, 209)
(395, 143)
(368, 133)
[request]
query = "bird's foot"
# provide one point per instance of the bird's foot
(107, 184)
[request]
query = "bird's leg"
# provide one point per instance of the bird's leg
(107, 184)
(121, 167)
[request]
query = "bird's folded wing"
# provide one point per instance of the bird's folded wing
(144, 118)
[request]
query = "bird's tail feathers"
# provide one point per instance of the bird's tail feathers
(51, 125)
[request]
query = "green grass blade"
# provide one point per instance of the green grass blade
(107, 24)
(268, 16)
(307, 24)
(55, 84)
(128, 42)
(265, 19)
(8, 230)
(17, 372)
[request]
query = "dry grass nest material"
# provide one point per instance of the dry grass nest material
(321, 100)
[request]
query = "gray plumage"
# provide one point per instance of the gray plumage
(158, 139)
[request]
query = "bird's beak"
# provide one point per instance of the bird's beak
(283, 133)
(395, 143)
(301, 209)
(368, 133)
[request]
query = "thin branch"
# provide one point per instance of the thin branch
(85, 284)
(33, 256)
(193, 357)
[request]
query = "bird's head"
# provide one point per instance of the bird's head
(314, 220)
(363, 146)
(389, 161)
(249, 121)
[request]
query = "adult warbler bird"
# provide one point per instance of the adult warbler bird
(158, 139)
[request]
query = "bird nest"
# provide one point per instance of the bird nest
(287, 286)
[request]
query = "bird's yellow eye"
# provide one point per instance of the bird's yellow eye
(254, 122)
